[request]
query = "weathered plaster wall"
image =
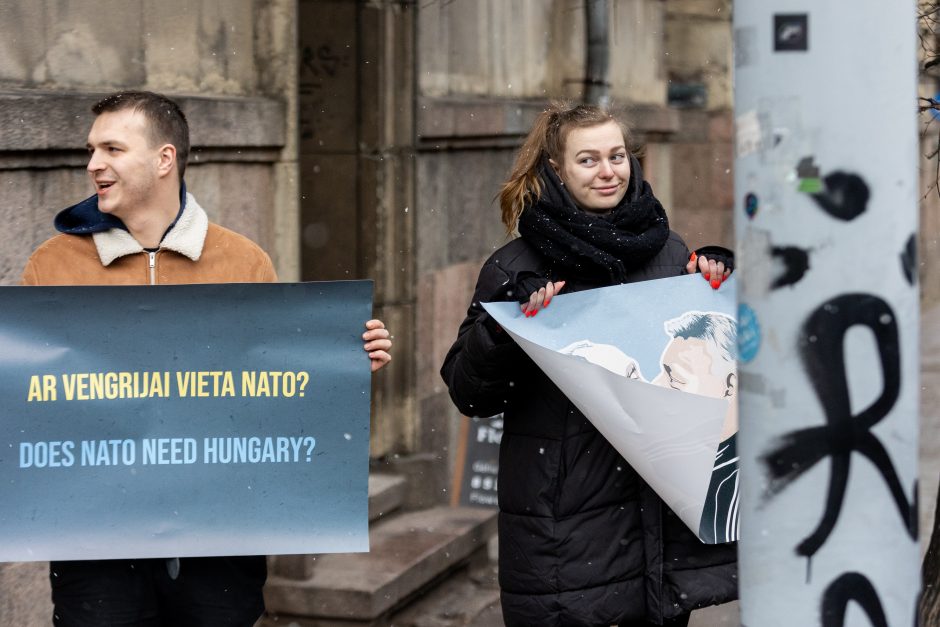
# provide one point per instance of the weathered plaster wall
(56, 58)
(698, 56)
(232, 65)
(536, 49)
(178, 46)
(484, 71)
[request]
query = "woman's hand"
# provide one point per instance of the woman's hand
(377, 343)
(715, 268)
(540, 298)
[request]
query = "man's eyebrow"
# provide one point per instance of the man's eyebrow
(107, 142)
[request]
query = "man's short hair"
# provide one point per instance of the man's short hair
(167, 123)
(709, 326)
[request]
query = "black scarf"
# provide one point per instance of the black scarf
(594, 247)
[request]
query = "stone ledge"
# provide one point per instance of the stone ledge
(59, 121)
(465, 118)
(450, 122)
(50, 159)
(407, 552)
(469, 597)
(386, 495)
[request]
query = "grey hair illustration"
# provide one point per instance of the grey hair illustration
(712, 326)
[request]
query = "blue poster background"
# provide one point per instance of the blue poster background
(182, 500)
(628, 316)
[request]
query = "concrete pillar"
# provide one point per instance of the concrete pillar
(826, 223)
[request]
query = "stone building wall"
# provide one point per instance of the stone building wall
(231, 63)
(363, 139)
(484, 70)
(228, 62)
(698, 64)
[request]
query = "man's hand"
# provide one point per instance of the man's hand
(377, 343)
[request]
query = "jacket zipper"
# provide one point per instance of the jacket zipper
(153, 267)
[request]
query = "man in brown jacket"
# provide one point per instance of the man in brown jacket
(142, 227)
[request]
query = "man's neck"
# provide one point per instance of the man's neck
(149, 225)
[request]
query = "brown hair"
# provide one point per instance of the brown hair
(167, 123)
(547, 138)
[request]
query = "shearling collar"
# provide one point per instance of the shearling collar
(186, 237)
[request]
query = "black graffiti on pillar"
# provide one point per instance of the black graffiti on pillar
(851, 587)
(909, 259)
(844, 196)
(823, 355)
(795, 262)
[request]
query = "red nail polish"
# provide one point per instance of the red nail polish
(693, 256)
(546, 304)
(716, 283)
(707, 275)
(535, 312)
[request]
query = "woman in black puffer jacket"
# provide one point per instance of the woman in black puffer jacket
(582, 539)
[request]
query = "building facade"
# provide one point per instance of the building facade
(362, 139)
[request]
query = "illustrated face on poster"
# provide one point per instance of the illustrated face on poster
(652, 365)
(698, 358)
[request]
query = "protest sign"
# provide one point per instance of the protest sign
(189, 420)
(652, 366)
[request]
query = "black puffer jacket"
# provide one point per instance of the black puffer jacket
(582, 539)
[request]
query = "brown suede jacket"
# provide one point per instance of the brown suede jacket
(194, 251)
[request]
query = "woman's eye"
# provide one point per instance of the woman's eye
(618, 158)
(588, 161)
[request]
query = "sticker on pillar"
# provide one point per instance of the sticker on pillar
(745, 46)
(747, 133)
(748, 333)
(791, 32)
(843, 195)
(808, 174)
(750, 204)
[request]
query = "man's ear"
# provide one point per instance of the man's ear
(166, 163)
(731, 385)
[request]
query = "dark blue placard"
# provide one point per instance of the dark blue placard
(111, 448)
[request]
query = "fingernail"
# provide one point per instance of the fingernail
(716, 283)
(546, 303)
(707, 274)
(693, 256)
(535, 312)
